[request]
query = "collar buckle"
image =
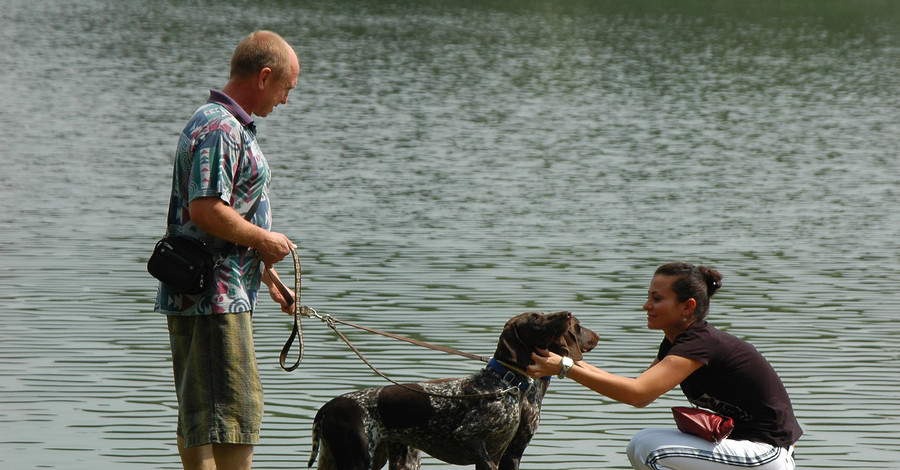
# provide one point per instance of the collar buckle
(511, 377)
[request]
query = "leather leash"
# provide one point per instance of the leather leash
(297, 332)
(414, 341)
(296, 329)
(299, 309)
(359, 354)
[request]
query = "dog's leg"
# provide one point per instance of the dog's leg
(403, 457)
(477, 436)
(528, 423)
(341, 428)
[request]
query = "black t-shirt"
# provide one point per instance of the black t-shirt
(736, 381)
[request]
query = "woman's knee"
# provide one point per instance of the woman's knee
(642, 444)
(651, 449)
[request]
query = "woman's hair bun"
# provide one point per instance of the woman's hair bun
(713, 279)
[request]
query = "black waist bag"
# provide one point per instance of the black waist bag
(184, 264)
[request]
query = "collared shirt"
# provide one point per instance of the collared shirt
(218, 156)
(216, 96)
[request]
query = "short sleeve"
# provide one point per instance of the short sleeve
(215, 162)
(692, 344)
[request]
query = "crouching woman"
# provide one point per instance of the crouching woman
(715, 370)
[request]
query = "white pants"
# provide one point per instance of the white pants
(670, 449)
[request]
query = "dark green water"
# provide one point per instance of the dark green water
(444, 166)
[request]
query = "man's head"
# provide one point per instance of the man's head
(264, 68)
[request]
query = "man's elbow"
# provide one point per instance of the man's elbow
(202, 212)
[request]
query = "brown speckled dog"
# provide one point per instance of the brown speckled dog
(365, 429)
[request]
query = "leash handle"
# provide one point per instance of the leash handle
(282, 358)
(296, 329)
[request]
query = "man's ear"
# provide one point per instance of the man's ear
(263, 77)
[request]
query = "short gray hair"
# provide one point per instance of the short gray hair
(258, 50)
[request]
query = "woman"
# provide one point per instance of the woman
(716, 371)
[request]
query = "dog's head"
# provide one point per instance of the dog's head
(559, 332)
(575, 341)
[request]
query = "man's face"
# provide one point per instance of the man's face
(276, 90)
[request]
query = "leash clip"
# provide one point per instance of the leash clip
(309, 312)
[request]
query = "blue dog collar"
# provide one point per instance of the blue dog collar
(510, 376)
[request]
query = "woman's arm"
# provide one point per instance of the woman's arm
(661, 377)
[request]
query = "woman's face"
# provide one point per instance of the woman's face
(664, 311)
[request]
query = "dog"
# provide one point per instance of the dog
(486, 419)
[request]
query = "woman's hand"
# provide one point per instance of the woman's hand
(545, 364)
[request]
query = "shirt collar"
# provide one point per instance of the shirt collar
(216, 96)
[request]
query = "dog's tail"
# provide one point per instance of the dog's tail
(315, 442)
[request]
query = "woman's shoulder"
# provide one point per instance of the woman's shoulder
(724, 346)
(697, 331)
(706, 332)
(703, 336)
(693, 343)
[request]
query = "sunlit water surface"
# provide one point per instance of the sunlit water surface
(444, 166)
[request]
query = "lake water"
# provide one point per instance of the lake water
(445, 166)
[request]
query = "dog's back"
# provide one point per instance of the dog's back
(450, 419)
(454, 420)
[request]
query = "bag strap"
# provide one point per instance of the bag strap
(253, 208)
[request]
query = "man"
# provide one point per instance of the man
(221, 174)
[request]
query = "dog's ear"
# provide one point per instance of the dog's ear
(566, 345)
(576, 340)
(510, 348)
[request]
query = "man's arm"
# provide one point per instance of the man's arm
(219, 219)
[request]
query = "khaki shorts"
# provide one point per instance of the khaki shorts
(220, 399)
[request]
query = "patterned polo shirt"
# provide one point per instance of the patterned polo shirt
(218, 156)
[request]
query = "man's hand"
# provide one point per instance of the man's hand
(273, 247)
(278, 291)
(217, 218)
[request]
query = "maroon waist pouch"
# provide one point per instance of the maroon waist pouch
(699, 422)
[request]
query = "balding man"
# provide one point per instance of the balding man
(220, 195)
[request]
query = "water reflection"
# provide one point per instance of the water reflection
(445, 167)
